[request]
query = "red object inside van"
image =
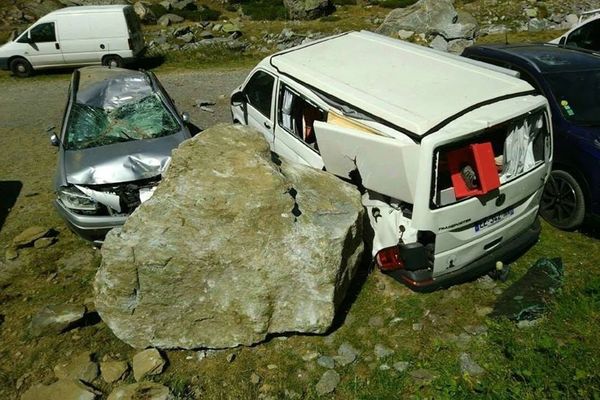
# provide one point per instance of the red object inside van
(477, 158)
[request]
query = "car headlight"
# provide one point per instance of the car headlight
(74, 199)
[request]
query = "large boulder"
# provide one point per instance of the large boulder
(432, 18)
(308, 9)
(234, 246)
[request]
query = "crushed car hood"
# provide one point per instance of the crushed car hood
(120, 162)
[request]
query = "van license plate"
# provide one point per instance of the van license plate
(493, 220)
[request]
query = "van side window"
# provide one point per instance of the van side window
(260, 92)
(586, 37)
(43, 33)
(297, 116)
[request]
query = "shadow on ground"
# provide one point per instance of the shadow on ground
(9, 192)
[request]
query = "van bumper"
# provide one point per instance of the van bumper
(506, 253)
(89, 227)
(4, 63)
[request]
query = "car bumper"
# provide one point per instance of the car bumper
(506, 253)
(4, 63)
(89, 227)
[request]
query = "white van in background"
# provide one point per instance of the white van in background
(75, 36)
(451, 155)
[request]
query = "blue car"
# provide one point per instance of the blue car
(570, 80)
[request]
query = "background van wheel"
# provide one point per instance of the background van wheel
(563, 202)
(112, 61)
(20, 67)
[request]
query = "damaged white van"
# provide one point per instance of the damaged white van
(451, 155)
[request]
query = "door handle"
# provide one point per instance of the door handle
(57, 46)
(267, 125)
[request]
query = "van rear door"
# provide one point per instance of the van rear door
(134, 28)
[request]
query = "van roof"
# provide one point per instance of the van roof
(412, 87)
(86, 9)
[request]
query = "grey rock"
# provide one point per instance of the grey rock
(141, 391)
(80, 368)
(310, 356)
(346, 354)
(422, 375)
(469, 366)
(401, 366)
(29, 235)
(404, 34)
(217, 27)
(457, 46)
(113, 370)
(382, 351)
(439, 43)
(166, 5)
(524, 324)
(55, 319)
(328, 382)
(384, 367)
(376, 321)
(531, 12)
(326, 362)
(537, 25)
(184, 5)
(187, 38)
(207, 109)
(572, 20)
(206, 35)
(430, 17)
(144, 12)
(230, 28)
(255, 379)
(308, 9)
(417, 327)
(61, 389)
(191, 289)
(168, 19)
(147, 362)
(44, 242)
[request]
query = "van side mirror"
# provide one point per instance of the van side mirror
(54, 140)
(238, 98)
(185, 117)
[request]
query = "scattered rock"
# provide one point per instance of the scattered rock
(308, 9)
(44, 242)
(29, 235)
(422, 375)
(531, 12)
(401, 366)
(326, 362)
(439, 43)
(230, 28)
(80, 368)
(144, 12)
(187, 38)
(55, 319)
(310, 356)
(271, 367)
(230, 357)
(113, 371)
(572, 20)
(207, 109)
(524, 324)
(141, 391)
(417, 327)
(61, 389)
(232, 295)
(382, 351)
(147, 362)
(404, 34)
(328, 382)
(376, 321)
(255, 379)
(346, 355)
(169, 19)
(469, 366)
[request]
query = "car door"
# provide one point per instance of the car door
(44, 49)
(259, 92)
(294, 122)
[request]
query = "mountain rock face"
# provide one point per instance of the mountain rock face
(234, 245)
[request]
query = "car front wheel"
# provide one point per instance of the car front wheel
(563, 202)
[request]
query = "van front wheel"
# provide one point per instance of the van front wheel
(112, 61)
(20, 67)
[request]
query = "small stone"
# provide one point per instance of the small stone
(401, 366)
(55, 319)
(207, 109)
(147, 362)
(422, 375)
(382, 351)
(384, 367)
(404, 35)
(531, 12)
(439, 43)
(141, 391)
(113, 371)
(29, 235)
(61, 389)
(527, 324)
(11, 254)
(271, 367)
(376, 321)
(187, 38)
(417, 327)
(255, 378)
(310, 356)
(79, 368)
(230, 357)
(204, 102)
(44, 242)
(326, 362)
(469, 366)
(346, 354)
(328, 382)
(230, 28)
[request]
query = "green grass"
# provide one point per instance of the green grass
(264, 10)
(394, 3)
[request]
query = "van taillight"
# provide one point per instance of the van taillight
(389, 259)
(130, 43)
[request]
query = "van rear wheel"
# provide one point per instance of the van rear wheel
(20, 67)
(112, 61)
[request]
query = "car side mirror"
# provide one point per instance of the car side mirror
(185, 117)
(238, 98)
(54, 140)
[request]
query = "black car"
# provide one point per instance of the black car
(570, 80)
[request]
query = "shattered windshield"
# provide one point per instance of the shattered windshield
(117, 110)
(578, 95)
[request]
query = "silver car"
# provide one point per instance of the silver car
(118, 131)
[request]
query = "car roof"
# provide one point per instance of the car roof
(96, 84)
(547, 58)
(386, 78)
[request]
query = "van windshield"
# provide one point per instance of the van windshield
(117, 110)
(578, 95)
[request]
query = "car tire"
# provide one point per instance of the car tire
(112, 61)
(563, 201)
(21, 67)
